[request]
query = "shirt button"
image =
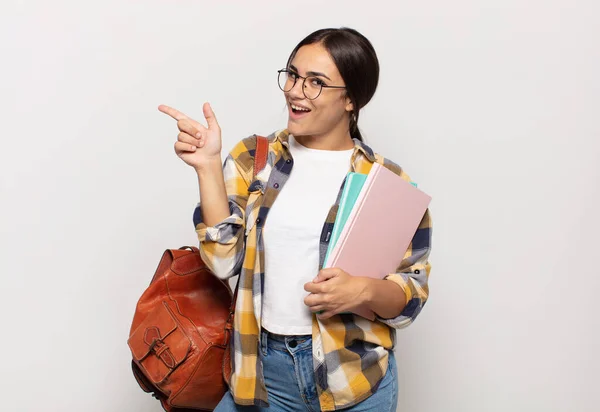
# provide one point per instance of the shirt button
(288, 161)
(276, 185)
(257, 220)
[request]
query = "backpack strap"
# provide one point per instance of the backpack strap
(260, 155)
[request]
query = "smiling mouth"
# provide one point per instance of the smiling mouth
(299, 109)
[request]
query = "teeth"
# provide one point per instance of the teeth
(299, 108)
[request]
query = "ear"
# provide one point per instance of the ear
(349, 105)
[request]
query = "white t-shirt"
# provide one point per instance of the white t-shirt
(292, 234)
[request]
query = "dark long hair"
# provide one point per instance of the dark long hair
(357, 62)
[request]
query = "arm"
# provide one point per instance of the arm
(211, 183)
(219, 218)
(384, 297)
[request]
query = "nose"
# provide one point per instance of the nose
(296, 91)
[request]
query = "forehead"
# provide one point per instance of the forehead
(315, 58)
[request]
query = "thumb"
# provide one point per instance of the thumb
(209, 115)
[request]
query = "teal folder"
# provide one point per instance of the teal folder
(354, 183)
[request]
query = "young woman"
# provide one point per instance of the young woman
(296, 347)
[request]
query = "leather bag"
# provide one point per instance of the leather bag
(182, 326)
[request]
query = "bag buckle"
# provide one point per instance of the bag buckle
(161, 349)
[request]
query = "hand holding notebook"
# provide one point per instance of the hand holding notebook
(375, 225)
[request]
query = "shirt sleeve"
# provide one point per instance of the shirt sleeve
(413, 275)
(222, 245)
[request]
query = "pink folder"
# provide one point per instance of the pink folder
(380, 227)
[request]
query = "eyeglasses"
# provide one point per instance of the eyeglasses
(311, 86)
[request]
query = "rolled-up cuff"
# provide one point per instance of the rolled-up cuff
(413, 303)
(224, 232)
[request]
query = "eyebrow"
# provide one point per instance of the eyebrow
(310, 73)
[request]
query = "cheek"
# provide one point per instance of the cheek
(330, 112)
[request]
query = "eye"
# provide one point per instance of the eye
(292, 75)
(315, 81)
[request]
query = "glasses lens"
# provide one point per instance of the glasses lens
(312, 87)
(286, 81)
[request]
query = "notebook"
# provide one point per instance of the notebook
(352, 187)
(380, 226)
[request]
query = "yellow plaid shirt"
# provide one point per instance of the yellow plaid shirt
(350, 353)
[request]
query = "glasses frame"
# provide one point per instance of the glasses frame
(279, 72)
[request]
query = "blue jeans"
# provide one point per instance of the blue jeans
(289, 377)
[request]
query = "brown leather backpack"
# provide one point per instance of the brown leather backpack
(179, 337)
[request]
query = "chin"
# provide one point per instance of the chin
(294, 128)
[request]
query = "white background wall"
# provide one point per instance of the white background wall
(491, 106)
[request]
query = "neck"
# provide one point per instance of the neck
(335, 139)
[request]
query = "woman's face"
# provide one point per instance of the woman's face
(327, 112)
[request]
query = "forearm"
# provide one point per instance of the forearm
(215, 205)
(384, 297)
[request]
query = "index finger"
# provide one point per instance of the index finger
(175, 114)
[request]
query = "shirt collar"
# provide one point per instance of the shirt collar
(283, 137)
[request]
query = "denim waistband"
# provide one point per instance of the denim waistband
(284, 338)
(284, 343)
